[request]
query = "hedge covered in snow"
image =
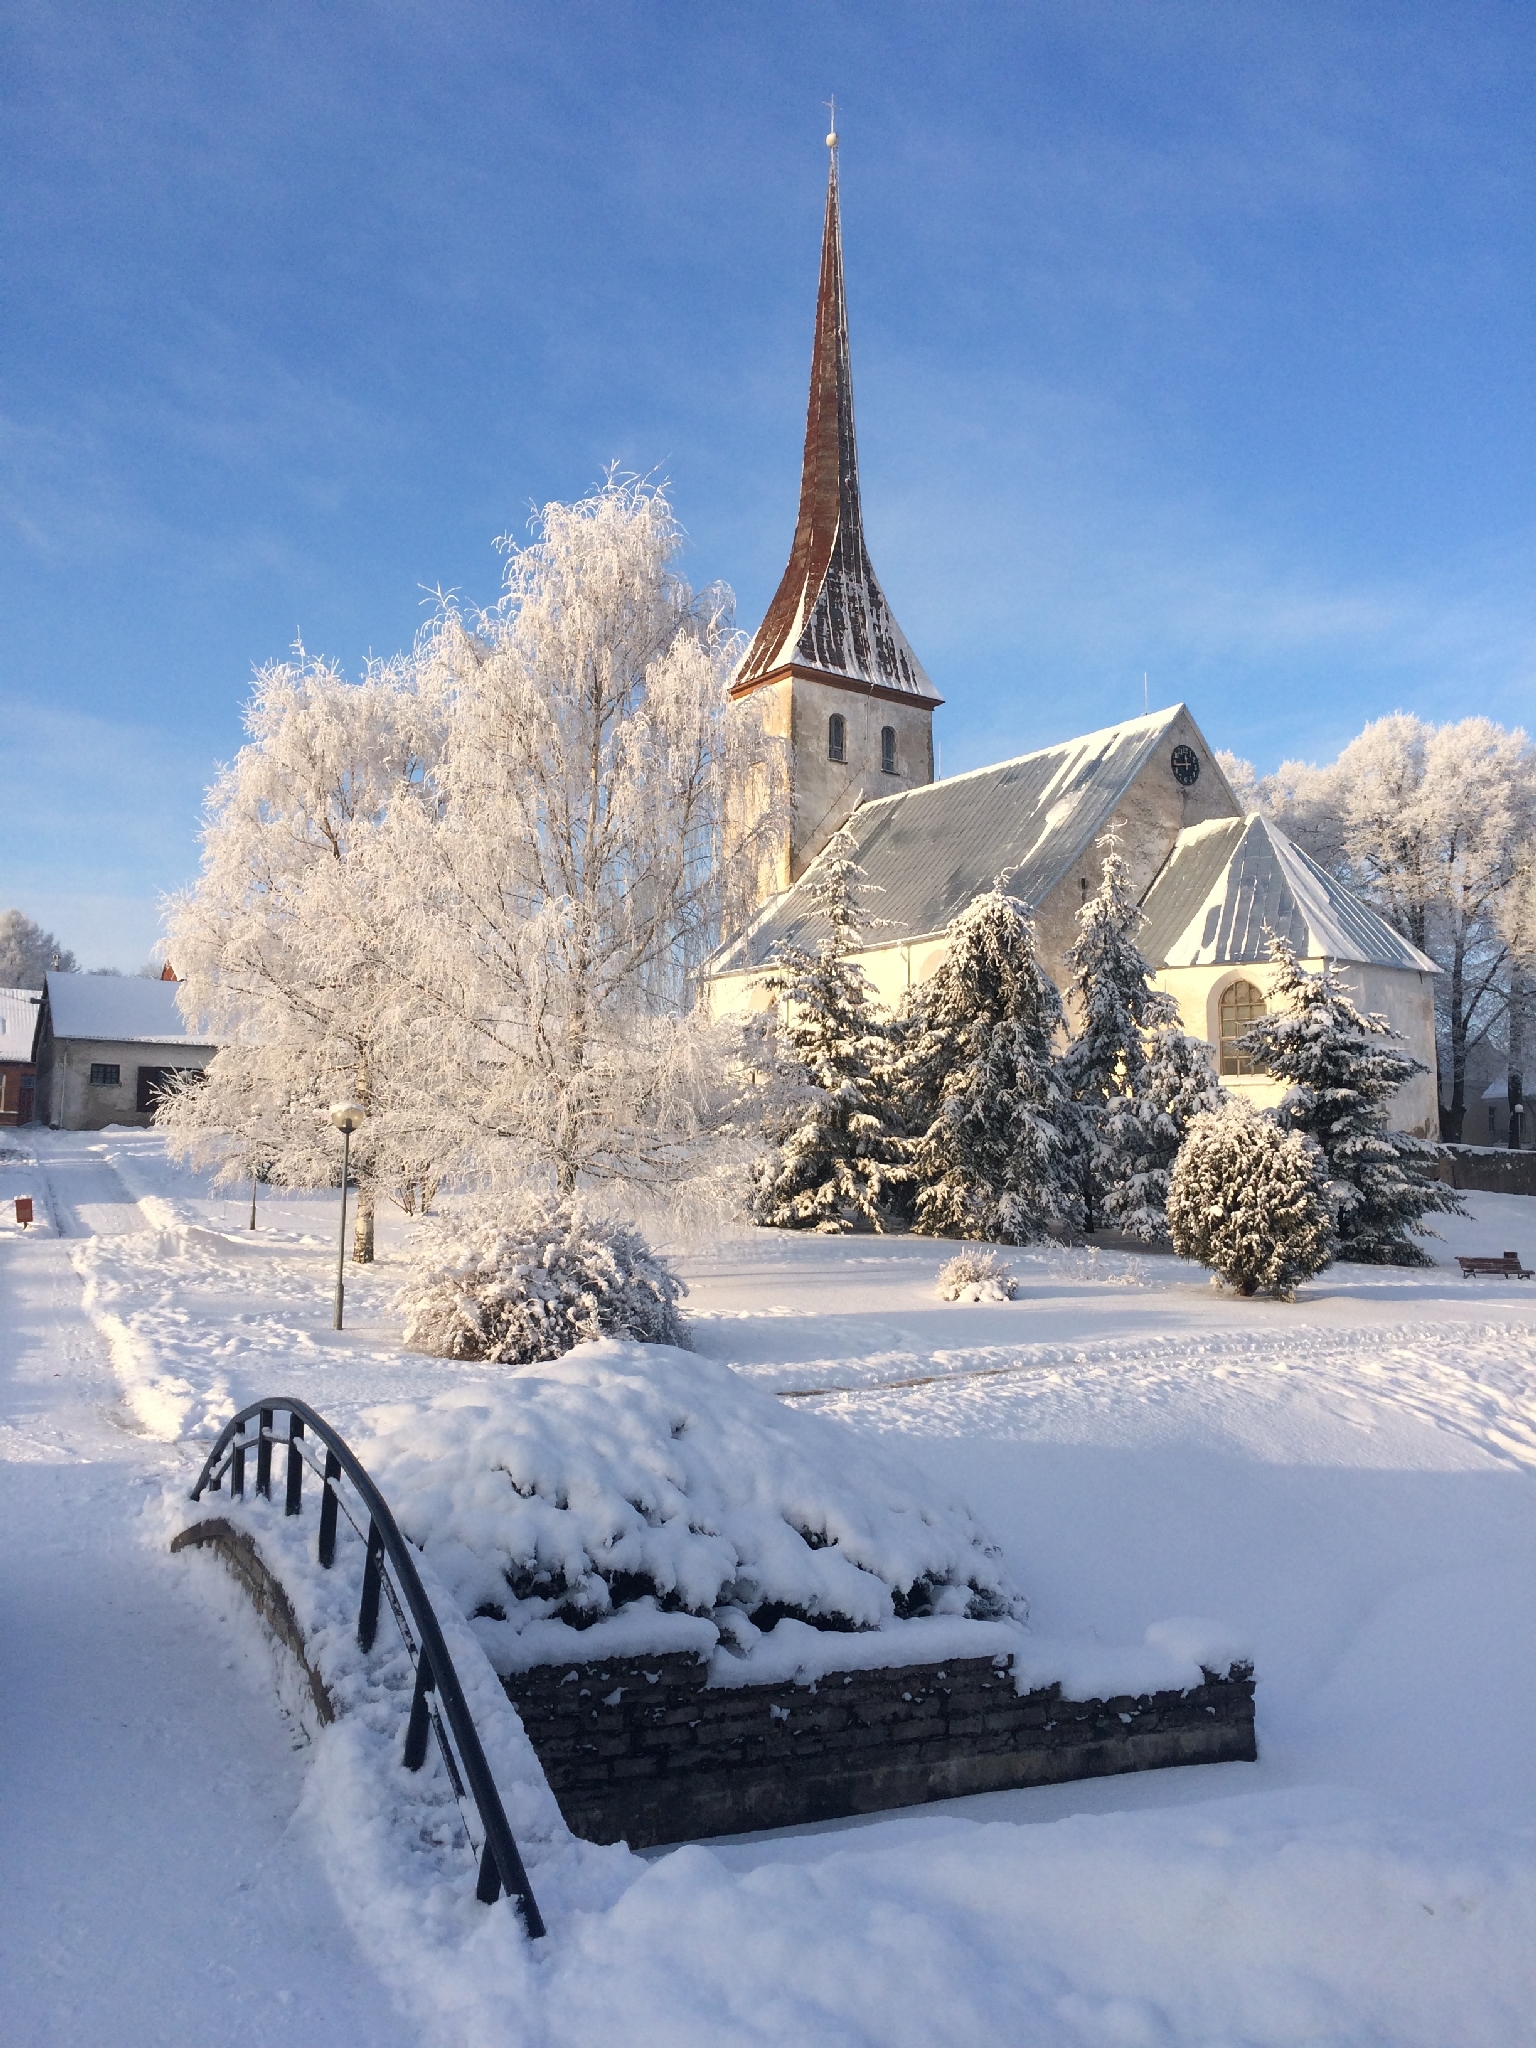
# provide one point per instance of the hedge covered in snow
(525, 1277)
(643, 1481)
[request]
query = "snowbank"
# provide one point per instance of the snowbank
(645, 1483)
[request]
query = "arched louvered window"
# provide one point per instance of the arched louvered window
(1241, 1005)
(888, 749)
(837, 737)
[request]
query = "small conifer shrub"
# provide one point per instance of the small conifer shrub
(515, 1280)
(1250, 1201)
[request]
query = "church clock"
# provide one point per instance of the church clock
(1185, 763)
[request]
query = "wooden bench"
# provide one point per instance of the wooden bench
(1506, 1267)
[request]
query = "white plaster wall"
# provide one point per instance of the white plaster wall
(1403, 996)
(72, 1102)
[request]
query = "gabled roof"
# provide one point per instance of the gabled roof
(18, 1022)
(1228, 883)
(117, 1006)
(929, 851)
(829, 615)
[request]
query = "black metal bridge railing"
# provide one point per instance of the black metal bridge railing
(389, 1571)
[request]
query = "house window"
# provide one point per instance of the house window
(1241, 1005)
(104, 1075)
(837, 737)
(888, 749)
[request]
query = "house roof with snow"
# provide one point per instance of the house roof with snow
(124, 1008)
(1227, 884)
(929, 851)
(18, 1022)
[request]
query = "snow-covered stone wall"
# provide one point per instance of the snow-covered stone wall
(647, 1750)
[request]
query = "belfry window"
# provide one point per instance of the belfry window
(837, 737)
(888, 749)
(1241, 1006)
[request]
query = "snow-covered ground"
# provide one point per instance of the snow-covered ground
(1344, 1482)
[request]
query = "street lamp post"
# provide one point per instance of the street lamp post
(346, 1116)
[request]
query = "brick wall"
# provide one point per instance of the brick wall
(645, 1751)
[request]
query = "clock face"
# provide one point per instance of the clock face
(1185, 763)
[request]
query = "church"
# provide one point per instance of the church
(837, 680)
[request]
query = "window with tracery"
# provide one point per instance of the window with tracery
(1242, 1005)
(888, 749)
(837, 737)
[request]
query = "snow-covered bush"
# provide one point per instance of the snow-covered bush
(974, 1275)
(526, 1277)
(1250, 1200)
(665, 1485)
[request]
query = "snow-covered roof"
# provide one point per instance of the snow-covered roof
(122, 1007)
(929, 851)
(1230, 882)
(18, 1022)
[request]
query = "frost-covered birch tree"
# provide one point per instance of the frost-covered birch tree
(291, 945)
(571, 860)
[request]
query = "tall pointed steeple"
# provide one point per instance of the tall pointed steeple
(829, 620)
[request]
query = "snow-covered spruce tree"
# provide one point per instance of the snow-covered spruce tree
(512, 1281)
(1433, 825)
(1250, 1200)
(1344, 1068)
(1140, 1132)
(834, 1154)
(291, 945)
(572, 853)
(977, 1072)
(1113, 1006)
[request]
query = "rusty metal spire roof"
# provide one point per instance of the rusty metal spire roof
(829, 618)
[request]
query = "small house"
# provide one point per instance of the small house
(18, 1031)
(106, 1045)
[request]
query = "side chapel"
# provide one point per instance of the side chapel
(838, 680)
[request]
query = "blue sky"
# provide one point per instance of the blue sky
(1188, 339)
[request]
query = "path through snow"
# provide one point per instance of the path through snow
(156, 1892)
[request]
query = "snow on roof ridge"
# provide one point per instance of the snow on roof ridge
(1150, 719)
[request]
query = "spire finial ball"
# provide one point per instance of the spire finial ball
(832, 140)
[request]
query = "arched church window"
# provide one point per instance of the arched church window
(1241, 1006)
(888, 749)
(837, 737)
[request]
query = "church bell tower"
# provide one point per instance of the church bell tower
(833, 671)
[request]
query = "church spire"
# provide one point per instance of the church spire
(829, 619)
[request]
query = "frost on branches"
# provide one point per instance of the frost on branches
(977, 1065)
(1137, 1081)
(1344, 1068)
(975, 1275)
(527, 1277)
(1433, 825)
(834, 1154)
(578, 860)
(1250, 1201)
(648, 1484)
(291, 945)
